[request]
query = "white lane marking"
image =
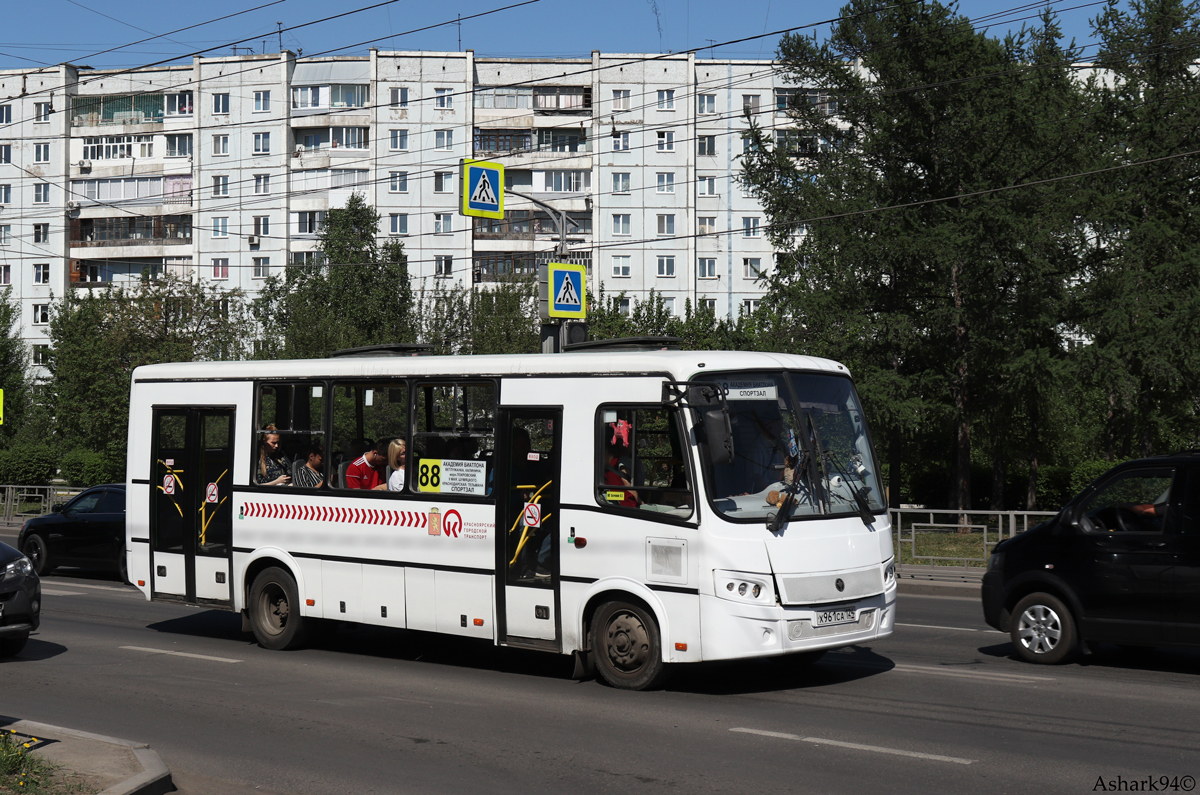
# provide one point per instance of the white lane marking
(989, 676)
(933, 626)
(50, 592)
(71, 584)
(181, 654)
(858, 746)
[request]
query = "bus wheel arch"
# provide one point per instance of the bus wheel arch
(274, 610)
(624, 634)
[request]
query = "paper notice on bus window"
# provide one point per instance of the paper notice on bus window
(451, 476)
(751, 390)
(615, 496)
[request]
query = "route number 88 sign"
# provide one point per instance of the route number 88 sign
(450, 476)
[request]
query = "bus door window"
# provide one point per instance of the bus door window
(642, 461)
(454, 438)
(533, 460)
(369, 416)
(291, 435)
(214, 527)
(172, 482)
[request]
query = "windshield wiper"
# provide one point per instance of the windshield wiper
(859, 492)
(808, 464)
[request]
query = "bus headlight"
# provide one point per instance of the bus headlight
(740, 587)
(889, 573)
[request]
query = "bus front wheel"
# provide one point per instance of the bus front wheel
(275, 611)
(626, 647)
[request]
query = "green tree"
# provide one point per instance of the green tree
(14, 368)
(890, 264)
(359, 296)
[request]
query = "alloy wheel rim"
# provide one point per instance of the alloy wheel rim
(1040, 629)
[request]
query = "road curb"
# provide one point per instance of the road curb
(155, 778)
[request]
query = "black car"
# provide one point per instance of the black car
(20, 600)
(87, 531)
(1119, 564)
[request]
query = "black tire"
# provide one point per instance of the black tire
(275, 611)
(626, 647)
(1043, 630)
(12, 646)
(123, 568)
(35, 549)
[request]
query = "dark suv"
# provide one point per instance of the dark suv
(1119, 564)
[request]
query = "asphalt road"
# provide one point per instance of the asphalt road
(940, 707)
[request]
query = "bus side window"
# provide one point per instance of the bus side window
(454, 422)
(366, 416)
(642, 461)
(295, 413)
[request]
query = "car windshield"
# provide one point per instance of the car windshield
(797, 433)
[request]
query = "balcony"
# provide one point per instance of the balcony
(118, 110)
(165, 230)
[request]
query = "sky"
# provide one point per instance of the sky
(78, 31)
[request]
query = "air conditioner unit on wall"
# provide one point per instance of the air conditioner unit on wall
(252, 240)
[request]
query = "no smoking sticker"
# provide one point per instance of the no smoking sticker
(168, 484)
(531, 514)
(210, 493)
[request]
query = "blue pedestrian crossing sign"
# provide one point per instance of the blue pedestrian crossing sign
(563, 291)
(482, 189)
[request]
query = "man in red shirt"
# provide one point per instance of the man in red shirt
(367, 470)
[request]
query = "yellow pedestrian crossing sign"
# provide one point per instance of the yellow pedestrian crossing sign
(482, 189)
(563, 291)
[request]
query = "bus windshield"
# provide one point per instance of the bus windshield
(795, 434)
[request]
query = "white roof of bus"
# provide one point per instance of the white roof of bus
(681, 365)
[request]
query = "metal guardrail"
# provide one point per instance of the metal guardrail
(24, 502)
(950, 539)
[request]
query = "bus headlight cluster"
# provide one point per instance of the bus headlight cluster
(889, 573)
(752, 588)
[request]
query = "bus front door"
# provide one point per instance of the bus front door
(191, 507)
(527, 528)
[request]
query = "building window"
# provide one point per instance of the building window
(752, 268)
(41, 111)
(348, 177)
(220, 108)
(262, 143)
(41, 153)
(706, 103)
(706, 186)
(5, 153)
(707, 305)
(309, 222)
(220, 145)
(5, 114)
(399, 140)
(621, 224)
(621, 99)
(308, 258)
(111, 147)
(306, 97)
(666, 182)
(443, 223)
(666, 141)
(750, 103)
(41, 314)
(179, 145)
(5, 274)
(41, 193)
(262, 267)
(621, 142)
(398, 182)
(262, 225)
(262, 100)
(666, 99)
(398, 224)
(41, 233)
(568, 181)
(41, 355)
(669, 305)
(666, 264)
(220, 267)
(262, 184)
(706, 145)
(5, 194)
(620, 267)
(749, 306)
(41, 273)
(220, 227)
(706, 224)
(706, 268)
(5, 234)
(399, 97)
(179, 103)
(220, 186)
(350, 137)
(666, 224)
(349, 96)
(620, 182)
(312, 141)
(443, 265)
(750, 226)
(443, 98)
(443, 181)
(443, 140)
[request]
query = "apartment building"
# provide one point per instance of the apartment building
(224, 170)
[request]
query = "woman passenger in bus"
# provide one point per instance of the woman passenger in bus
(272, 470)
(396, 451)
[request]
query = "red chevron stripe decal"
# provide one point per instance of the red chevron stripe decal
(424, 519)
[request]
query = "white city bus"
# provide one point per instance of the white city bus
(633, 508)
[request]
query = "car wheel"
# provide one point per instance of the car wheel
(123, 568)
(1043, 630)
(34, 548)
(12, 646)
(275, 611)
(626, 647)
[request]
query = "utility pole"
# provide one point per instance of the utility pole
(550, 330)
(280, 26)
(460, 32)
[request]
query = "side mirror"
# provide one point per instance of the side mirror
(719, 436)
(57, 507)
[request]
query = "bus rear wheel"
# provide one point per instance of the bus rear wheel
(275, 611)
(626, 646)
